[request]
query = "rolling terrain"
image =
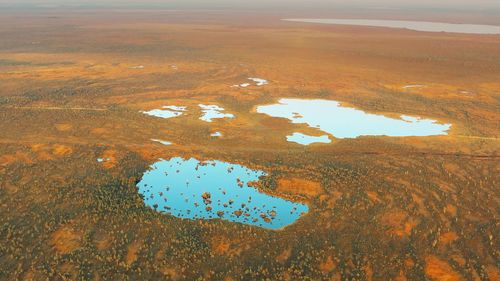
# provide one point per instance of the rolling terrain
(72, 88)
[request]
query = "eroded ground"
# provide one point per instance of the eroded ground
(72, 88)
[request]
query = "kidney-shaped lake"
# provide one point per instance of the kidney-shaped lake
(213, 189)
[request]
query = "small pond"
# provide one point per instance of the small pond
(213, 111)
(168, 111)
(259, 81)
(162, 141)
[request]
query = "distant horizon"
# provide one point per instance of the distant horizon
(284, 5)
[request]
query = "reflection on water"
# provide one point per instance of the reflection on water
(413, 25)
(214, 189)
(344, 122)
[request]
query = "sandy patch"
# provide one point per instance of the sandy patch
(448, 237)
(284, 256)
(398, 222)
(110, 158)
(327, 265)
(18, 156)
(63, 127)
(438, 269)
(66, 240)
(132, 253)
(299, 186)
(61, 150)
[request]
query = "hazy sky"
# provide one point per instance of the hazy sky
(285, 4)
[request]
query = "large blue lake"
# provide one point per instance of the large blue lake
(214, 190)
(346, 122)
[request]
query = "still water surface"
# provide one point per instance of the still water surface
(307, 139)
(412, 25)
(213, 111)
(346, 122)
(214, 190)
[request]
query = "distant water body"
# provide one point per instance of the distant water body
(412, 25)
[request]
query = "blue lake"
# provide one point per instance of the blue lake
(214, 190)
(345, 122)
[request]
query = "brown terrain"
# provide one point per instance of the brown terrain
(381, 208)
